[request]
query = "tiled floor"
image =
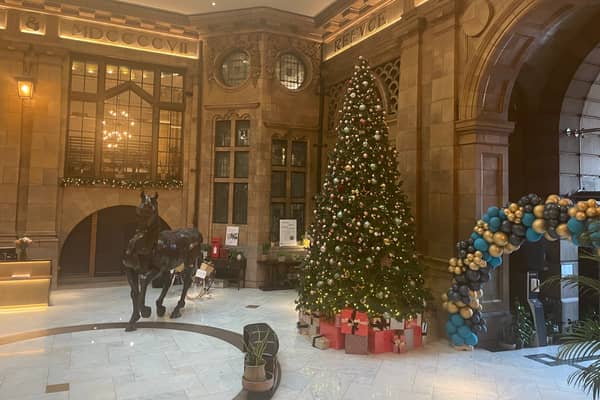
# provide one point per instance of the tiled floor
(174, 365)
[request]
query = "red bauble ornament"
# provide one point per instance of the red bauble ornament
(363, 121)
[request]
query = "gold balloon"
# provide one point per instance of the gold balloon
(563, 231)
(474, 266)
(565, 202)
(591, 212)
(478, 254)
(459, 262)
(548, 237)
(553, 198)
(474, 304)
(510, 217)
(445, 305)
(580, 216)
(488, 236)
(572, 211)
(480, 293)
(592, 203)
(501, 239)
(477, 260)
(480, 308)
(495, 251)
(452, 308)
(466, 312)
(460, 304)
(513, 207)
(444, 296)
(582, 206)
(539, 225)
(457, 270)
(453, 262)
(472, 294)
(470, 257)
(451, 269)
(538, 211)
(519, 213)
(510, 247)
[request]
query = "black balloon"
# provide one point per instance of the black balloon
(484, 276)
(473, 275)
(475, 285)
(462, 253)
(471, 249)
(515, 240)
(463, 290)
(460, 279)
(453, 296)
(454, 287)
(477, 328)
(528, 208)
(465, 299)
(476, 318)
(470, 241)
(519, 230)
(506, 226)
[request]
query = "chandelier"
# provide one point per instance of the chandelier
(115, 132)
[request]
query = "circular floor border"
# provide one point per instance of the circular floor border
(233, 338)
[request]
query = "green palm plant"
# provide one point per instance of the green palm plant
(583, 339)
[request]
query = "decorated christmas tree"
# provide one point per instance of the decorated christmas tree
(362, 252)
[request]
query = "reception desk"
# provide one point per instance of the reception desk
(25, 283)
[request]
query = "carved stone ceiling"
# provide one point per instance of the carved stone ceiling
(304, 7)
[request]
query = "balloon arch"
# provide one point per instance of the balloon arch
(502, 231)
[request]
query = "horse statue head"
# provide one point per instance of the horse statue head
(147, 212)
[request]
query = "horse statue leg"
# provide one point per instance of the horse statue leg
(166, 278)
(145, 281)
(132, 279)
(187, 282)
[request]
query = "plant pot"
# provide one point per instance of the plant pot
(255, 373)
(258, 386)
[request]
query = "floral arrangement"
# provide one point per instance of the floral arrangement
(23, 243)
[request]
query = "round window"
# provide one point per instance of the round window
(291, 71)
(235, 68)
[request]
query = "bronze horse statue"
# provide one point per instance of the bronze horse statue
(151, 253)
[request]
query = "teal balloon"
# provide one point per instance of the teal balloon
(457, 320)
(472, 339)
(475, 236)
(493, 211)
(481, 245)
(595, 236)
(576, 227)
(575, 240)
(457, 340)
(501, 215)
(486, 218)
(450, 328)
(495, 262)
(464, 331)
(528, 219)
(593, 227)
(495, 223)
(486, 256)
(532, 236)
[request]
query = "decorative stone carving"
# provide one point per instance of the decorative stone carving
(219, 47)
(388, 75)
(310, 53)
(335, 93)
(476, 17)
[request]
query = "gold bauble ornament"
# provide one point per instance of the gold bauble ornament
(453, 262)
(501, 239)
(539, 225)
(348, 168)
(466, 312)
(548, 237)
(563, 231)
(495, 251)
(488, 236)
(452, 308)
(538, 211)
(580, 216)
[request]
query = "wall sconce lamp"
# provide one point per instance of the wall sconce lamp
(25, 88)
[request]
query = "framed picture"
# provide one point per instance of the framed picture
(287, 232)
(231, 235)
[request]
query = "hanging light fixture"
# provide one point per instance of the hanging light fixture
(25, 88)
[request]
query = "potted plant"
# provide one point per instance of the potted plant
(255, 378)
(265, 248)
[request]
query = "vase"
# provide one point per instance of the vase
(255, 373)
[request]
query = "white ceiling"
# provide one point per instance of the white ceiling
(305, 7)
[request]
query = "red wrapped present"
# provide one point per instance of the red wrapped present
(413, 337)
(413, 322)
(356, 344)
(355, 322)
(332, 333)
(381, 341)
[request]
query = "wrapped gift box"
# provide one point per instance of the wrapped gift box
(332, 333)
(320, 342)
(381, 341)
(413, 337)
(356, 344)
(397, 324)
(413, 322)
(302, 328)
(355, 322)
(399, 343)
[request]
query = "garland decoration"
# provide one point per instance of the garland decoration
(132, 184)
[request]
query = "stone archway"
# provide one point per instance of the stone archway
(510, 105)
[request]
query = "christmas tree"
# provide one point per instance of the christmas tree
(362, 252)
